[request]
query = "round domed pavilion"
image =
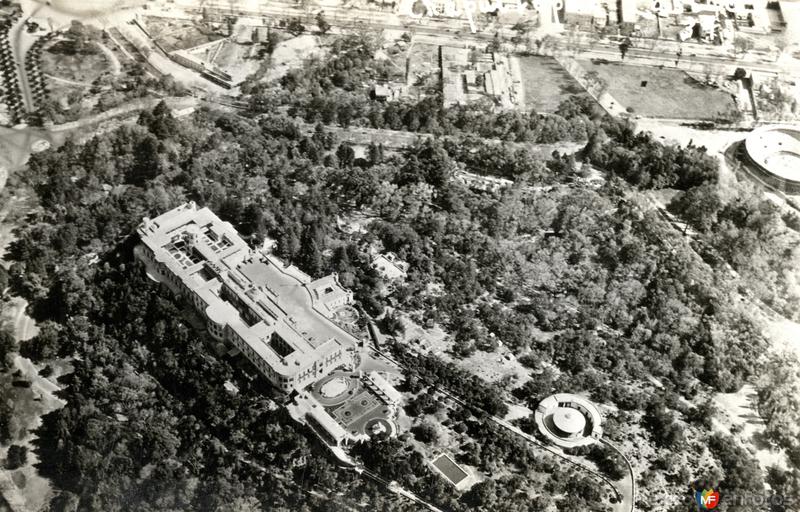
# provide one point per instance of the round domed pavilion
(568, 420)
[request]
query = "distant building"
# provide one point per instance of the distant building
(389, 266)
(627, 11)
(568, 420)
(248, 298)
(469, 75)
(746, 9)
(386, 92)
(748, 13)
(585, 13)
(381, 387)
(773, 154)
(327, 427)
(478, 182)
(790, 15)
(328, 293)
(260, 35)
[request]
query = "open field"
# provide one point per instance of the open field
(500, 366)
(545, 83)
(423, 68)
(740, 410)
(238, 60)
(69, 75)
(660, 92)
(80, 68)
(291, 53)
(179, 34)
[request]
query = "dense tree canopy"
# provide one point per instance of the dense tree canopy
(584, 279)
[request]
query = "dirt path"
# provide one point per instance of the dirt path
(740, 409)
(175, 103)
(24, 487)
(67, 81)
(124, 51)
(116, 67)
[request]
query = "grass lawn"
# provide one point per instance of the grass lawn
(82, 68)
(423, 67)
(179, 34)
(239, 60)
(669, 93)
(545, 83)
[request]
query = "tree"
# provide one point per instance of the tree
(573, 41)
(17, 456)
(81, 36)
(522, 27)
(345, 154)
(545, 43)
(426, 432)
(160, 122)
(594, 82)
(311, 245)
(4, 278)
(391, 324)
(624, 46)
(147, 164)
(45, 345)
(782, 43)
(8, 345)
(608, 461)
(698, 206)
(231, 210)
(295, 27)
(322, 23)
(273, 39)
(779, 399)
(495, 44)
(577, 105)
(742, 45)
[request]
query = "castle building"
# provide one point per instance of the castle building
(273, 313)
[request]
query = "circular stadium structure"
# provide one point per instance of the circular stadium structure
(568, 420)
(774, 155)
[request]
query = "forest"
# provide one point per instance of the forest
(618, 302)
(588, 286)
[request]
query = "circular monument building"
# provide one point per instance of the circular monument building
(568, 420)
(774, 155)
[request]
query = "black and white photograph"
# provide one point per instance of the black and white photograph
(399, 255)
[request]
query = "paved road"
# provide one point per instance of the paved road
(20, 44)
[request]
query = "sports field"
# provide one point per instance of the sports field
(450, 469)
(356, 408)
(545, 83)
(661, 92)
